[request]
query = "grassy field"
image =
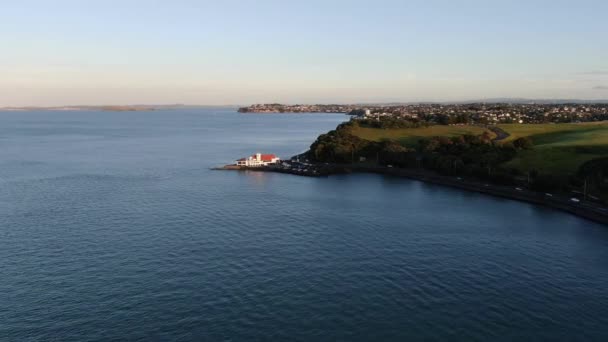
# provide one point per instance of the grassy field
(559, 149)
(411, 136)
(584, 132)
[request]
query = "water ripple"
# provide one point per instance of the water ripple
(143, 242)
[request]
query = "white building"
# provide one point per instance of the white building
(258, 160)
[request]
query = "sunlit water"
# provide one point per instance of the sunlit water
(112, 227)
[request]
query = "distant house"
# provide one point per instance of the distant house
(258, 160)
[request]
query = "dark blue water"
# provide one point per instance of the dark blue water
(112, 227)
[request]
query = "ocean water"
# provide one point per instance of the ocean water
(112, 227)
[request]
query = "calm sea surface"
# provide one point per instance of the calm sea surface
(112, 227)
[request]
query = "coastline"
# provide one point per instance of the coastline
(588, 210)
(289, 112)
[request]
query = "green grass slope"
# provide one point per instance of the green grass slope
(559, 149)
(410, 136)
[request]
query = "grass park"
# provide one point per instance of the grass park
(410, 136)
(559, 149)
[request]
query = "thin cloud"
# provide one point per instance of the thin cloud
(600, 87)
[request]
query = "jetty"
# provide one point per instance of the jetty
(300, 166)
(291, 167)
(296, 165)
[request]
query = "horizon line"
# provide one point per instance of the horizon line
(488, 100)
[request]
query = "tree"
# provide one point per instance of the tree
(523, 143)
(486, 137)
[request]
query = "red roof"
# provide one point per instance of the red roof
(268, 157)
(264, 157)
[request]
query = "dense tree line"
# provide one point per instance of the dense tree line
(340, 146)
(468, 155)
(595, 174)
(462, 155)
(391, 123)
(475, 156)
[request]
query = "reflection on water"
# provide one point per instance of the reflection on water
(114, 228)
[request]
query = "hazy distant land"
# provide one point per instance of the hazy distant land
(295, 108)
(110, 108)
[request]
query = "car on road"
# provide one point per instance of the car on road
(548, 194)
(575, 200)
(519, 189)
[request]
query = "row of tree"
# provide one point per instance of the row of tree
(476, 156)
(390, 123)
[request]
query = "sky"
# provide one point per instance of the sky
(224, 52)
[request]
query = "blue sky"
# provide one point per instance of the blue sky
(239, 52)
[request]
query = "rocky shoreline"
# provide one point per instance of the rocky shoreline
(590, 210)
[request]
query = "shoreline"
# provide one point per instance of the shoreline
(585, 209)
(290, 112)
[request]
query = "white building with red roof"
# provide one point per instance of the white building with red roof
(258, 160)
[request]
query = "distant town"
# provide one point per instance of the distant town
(471, 113)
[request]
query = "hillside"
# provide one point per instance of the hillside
(559, 149)
(544, 157)
(409, 137)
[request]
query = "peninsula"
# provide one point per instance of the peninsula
(533, 111)
(298, 108)
(562, 165)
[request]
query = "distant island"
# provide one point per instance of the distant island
(133, 108)
(110, 108)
